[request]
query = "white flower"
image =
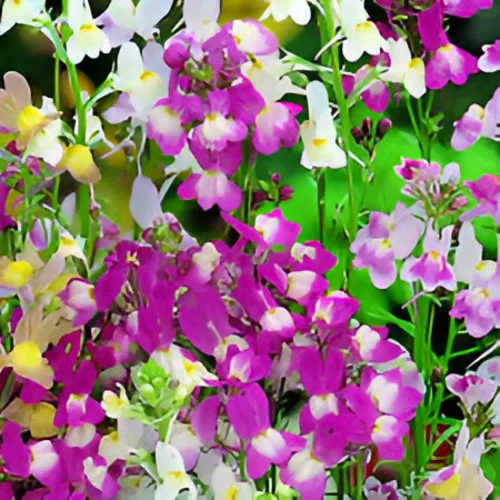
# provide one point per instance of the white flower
(87, 39)
(122, 19)
(144, 78)
(319, 134)
(298, 10)
(201, 17)
(172, 474)
(405, 69)
(19, 12)
(362, 35)
(267, 74)
(226, 486)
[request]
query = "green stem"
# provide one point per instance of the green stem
(84, 210)
(242, 461)
(420, 355)
(360, 475)
(79, 107)
(57, 82)
(321, 187)
(328, 29)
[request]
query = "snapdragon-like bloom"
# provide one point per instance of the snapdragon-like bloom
(385, 239)
(225, 485)
(477, 122)
(319, 134)
(249, 414)
(362, 35)
(447, 61)
(405, 69)
(37, 130)
(87, 39)
(31, 338)
(486, 191)
(471, 389)
(479, 305)
(298, 10)
(432, 268)
(143, 80)
(122, 19)
(19, 12)
(463, 479)
(489, 62)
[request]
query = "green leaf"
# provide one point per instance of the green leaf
(387, 317)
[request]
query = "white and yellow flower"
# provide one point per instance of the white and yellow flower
(87, 38)
(405, 69)
(19, 12)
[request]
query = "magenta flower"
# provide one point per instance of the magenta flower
(311, 256)
(269, 230)
(477, 122)
(471, 389)
(385, 239)
(465, 8)
(389, 394)
(322, 379)
(385, 431)
(373, 346)
(203, 319)
(334, 309)
(489, 62)
(39, 459)
(6, 221)
(248, 413)
(76, 407)
(211, 188)
(79, 296)
(166, 128)
(375, 490)
(479, 305)
(432, 268)
(486, 191)
(449, 64)
(276, 127)
(251, 37)
(306, 470)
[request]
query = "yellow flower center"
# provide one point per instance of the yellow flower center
(231, 493)
(88, 27)
(176, 474)
(29, 119)
(445, 48)
(447, 489)
(147, 75)
(132, 258)
(366, 26)
(26, 355)
(433, 255)
(319, 143)
(17, 274)
(189, 367)
(415, 63)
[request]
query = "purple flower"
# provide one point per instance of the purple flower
(385, 239)
(465, 8)
(432, 268)
(375, 490)
(477, 122)
(486, 191)
(248, 413)
(211, 188)
(79, 296)
(471, 389)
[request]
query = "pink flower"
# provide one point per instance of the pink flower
(211, 188)
(385, 239)
(432, 268)
(276, 127)
(79, 296)
(489, 62)
(465, 8)
(471, 389)
(449, 63)
(249, 414)
(477, 122)
(486, 190)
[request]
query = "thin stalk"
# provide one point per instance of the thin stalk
(79, 107)
(242, 461)
(321, 187)
(57, 81)
(360, 475)
(343, 105)
(420, 355)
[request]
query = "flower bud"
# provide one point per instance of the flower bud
(357, 134)
(384, 126)
(176, 54)
(276, 178)
(286, 193)
(258, 197)
(366, 126)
